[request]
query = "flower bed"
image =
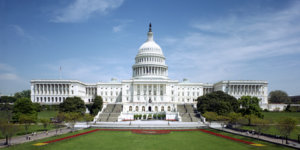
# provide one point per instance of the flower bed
(227, 137)
(153, 132)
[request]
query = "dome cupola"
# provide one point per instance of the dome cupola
(150, 60)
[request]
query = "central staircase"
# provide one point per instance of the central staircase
(188, 113)
(111, 113)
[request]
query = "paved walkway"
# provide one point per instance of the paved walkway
(157, 124)
(39, 135)
(261, 137)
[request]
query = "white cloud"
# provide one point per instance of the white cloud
(228, 48)
(8, 76)
(81, 10)
(18, 30)
(118, 28)
(5, 67)
(89, 70)
(122, 24)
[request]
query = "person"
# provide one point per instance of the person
(46, 132)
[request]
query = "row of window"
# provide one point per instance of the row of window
(149, 59)
(111, 93)
(162, 108)
(50, 99)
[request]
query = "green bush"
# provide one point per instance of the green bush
(144, 116)
(159, 116)
(154, 116)
(163, 116)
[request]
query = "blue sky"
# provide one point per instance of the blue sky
(204, 41)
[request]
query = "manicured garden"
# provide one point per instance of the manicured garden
(129, 140)
(47, 114)
(275, 116)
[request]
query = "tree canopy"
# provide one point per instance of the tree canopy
(72, 104)
(286, 125)
(23, 106)
(97, 105)
(279, 96)
(22, 94)
(218, 102)
(250, 106)
(7, 99)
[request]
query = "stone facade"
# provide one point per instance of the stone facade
(149, 89)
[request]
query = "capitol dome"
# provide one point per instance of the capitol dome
(150, 60)
(150, 46)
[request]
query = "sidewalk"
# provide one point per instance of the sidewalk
(39, 135)
(261, 137)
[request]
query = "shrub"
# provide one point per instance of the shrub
(159, 116)
(144, 116)
(154, 116)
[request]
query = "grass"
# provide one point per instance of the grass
(37, 127)
(32, 128)
(275, 116)
(47, 114)
(127, 140)
(272, 130)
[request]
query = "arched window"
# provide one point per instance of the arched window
(169, 108)
(136, 108)
(130, 108)
(156, 108)
(162, 108)
(143, 108)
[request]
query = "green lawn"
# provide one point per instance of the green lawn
(275, 116)
(272, 130)
(32, 128)
(47, 114)
(187, 140)
(36, 128)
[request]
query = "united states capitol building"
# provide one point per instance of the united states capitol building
(148, 91)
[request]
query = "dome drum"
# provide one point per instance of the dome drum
(150, 61)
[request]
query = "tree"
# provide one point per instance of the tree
(45, 122)
(286, 125)
(210, 116)
(261, 125)
(23, 106)
(97, 105)
(234, 118)
(72, 104)
(250, 108)
(88, 118)
(22, 94)
(223, 120)
(7, 99)
(37, 107)
(218, 102)
(279, 96)
(8, 130)
(72, 117)
(60, 117)
(27, 120)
